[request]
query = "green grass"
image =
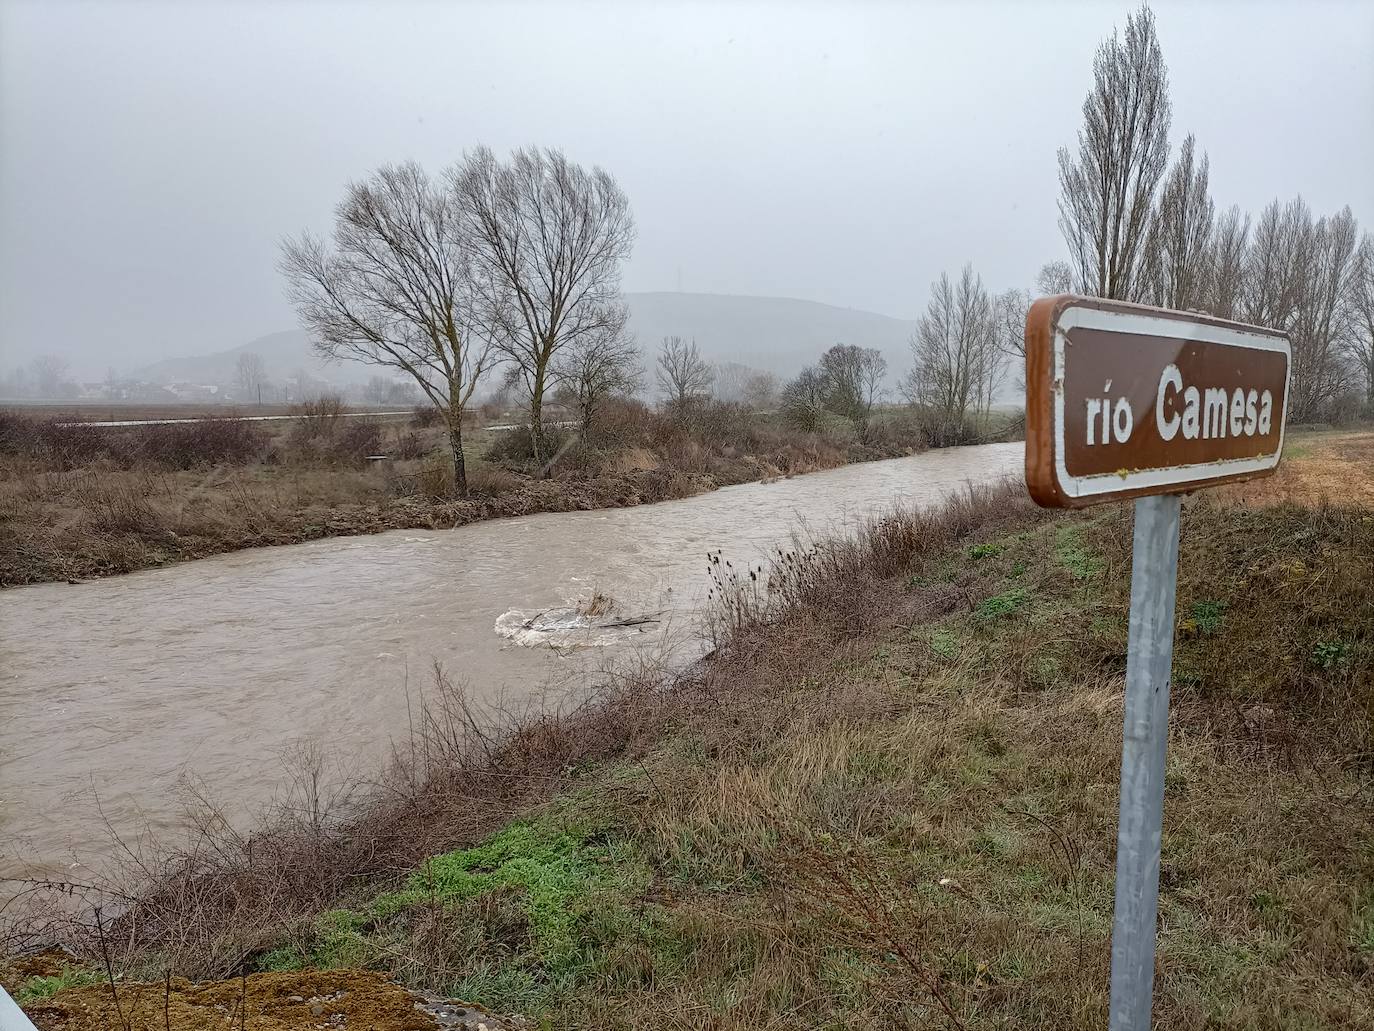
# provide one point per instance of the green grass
(1208, 616)
(945, 642)
(1072, 554)
(41, 987)
(987, 550)
(1004, 604)
(521, 916)
(1330, 654)
(1362, 926)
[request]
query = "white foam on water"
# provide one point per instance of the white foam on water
(563, 628)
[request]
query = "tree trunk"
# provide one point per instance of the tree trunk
(537, 424)
(455, 441)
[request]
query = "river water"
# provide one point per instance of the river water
(121, 689)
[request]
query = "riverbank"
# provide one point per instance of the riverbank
(78, 503)
(887, 800)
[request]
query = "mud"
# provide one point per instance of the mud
(353, 999)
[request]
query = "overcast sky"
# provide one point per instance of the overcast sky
(152, 155)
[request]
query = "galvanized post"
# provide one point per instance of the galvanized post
(1154, 581)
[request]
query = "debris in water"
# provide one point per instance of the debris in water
(587, 623)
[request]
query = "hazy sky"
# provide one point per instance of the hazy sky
(152, 155)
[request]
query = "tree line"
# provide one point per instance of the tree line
(517, 264)
(1139, 228)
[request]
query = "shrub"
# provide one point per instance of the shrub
(941, 430)
(177, 446)
(16, 434)
(409, 446)
(424, 416)
(199, 444)
(357, 440)
(435, 480)
(491, 480)
(1347, 409)
(898, 430)
(516, 447)
(623, 423)
(721, 424)
(64, 445)
(316, 417)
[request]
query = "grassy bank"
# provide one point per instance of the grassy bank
(889, 799)
(77, 502)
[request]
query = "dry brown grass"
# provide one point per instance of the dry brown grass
(1332, 466)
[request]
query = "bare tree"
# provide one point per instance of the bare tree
(683, 374)
(1359, 339)
(376, 390)
(50, 376)
(853, 380)
(1181, 235)
(250, 375)
(737, 383)
(1297, 279)
(731, 379)
(1107, 192)
(1010, 308)
(549, 239)
(1054, 277)
(1230, 239)
(803, 399)
(1319, 329)
(383, 390)
(761, 391)
(596, 367)
(301, 386)
(955, 351)
(1275, 262)
(396, 291)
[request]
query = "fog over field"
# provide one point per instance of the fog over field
(153, 156)
(773, 334)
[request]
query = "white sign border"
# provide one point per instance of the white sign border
(1076, 316)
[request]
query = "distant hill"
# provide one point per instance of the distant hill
(282, 354)
(778, 334)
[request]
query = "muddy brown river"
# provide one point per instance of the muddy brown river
(124, 690)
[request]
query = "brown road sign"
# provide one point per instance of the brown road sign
(1124, 400)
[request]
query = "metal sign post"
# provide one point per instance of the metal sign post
(1145, 738)
(1125, 401)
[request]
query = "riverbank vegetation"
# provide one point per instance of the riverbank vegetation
(81, 501)
(887, 799)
